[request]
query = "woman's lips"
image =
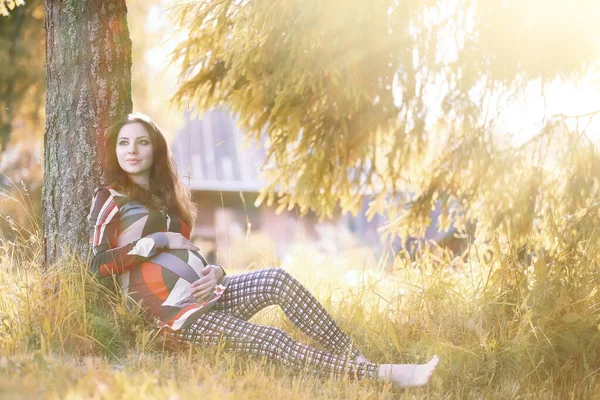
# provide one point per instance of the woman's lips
(133, 161)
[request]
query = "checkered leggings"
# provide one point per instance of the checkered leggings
(248, 293)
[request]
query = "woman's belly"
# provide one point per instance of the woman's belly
(165, 279)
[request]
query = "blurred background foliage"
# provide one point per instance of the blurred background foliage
(406, 102)
(22, 90)
(6, 6)
(416, 105)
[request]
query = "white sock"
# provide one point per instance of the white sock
(404, 375)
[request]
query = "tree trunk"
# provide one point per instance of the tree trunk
(88, 86)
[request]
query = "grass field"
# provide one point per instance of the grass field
(64, 335)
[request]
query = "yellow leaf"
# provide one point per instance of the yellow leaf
(280, 208)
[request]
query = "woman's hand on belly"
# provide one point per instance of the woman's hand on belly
(207, 283)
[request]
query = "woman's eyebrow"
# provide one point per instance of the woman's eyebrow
(137, 138)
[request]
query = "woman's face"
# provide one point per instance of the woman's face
(135, 152)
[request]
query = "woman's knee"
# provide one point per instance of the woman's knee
(280, 277)
(279, 284)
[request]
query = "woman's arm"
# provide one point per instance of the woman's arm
(121, 259)
(104, 223)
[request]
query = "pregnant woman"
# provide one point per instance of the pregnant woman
(140, 229)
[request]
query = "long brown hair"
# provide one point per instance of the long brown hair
(165, 188)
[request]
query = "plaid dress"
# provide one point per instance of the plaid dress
(125, 239)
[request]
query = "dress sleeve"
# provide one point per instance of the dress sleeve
(104, 226)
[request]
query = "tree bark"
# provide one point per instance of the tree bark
(88, 86)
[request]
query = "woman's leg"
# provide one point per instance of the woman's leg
(250, 292)
(245, 337)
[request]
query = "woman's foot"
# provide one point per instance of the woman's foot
(404, 375)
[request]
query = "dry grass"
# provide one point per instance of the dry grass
(500, 332)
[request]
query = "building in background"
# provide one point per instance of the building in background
(223, 173)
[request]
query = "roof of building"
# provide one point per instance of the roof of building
(212, 154)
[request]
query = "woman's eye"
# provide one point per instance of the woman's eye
(122, 143)
(144, 142)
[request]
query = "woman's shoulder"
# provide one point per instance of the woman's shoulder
(108, 190)
(108, 195)
(105, 204)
